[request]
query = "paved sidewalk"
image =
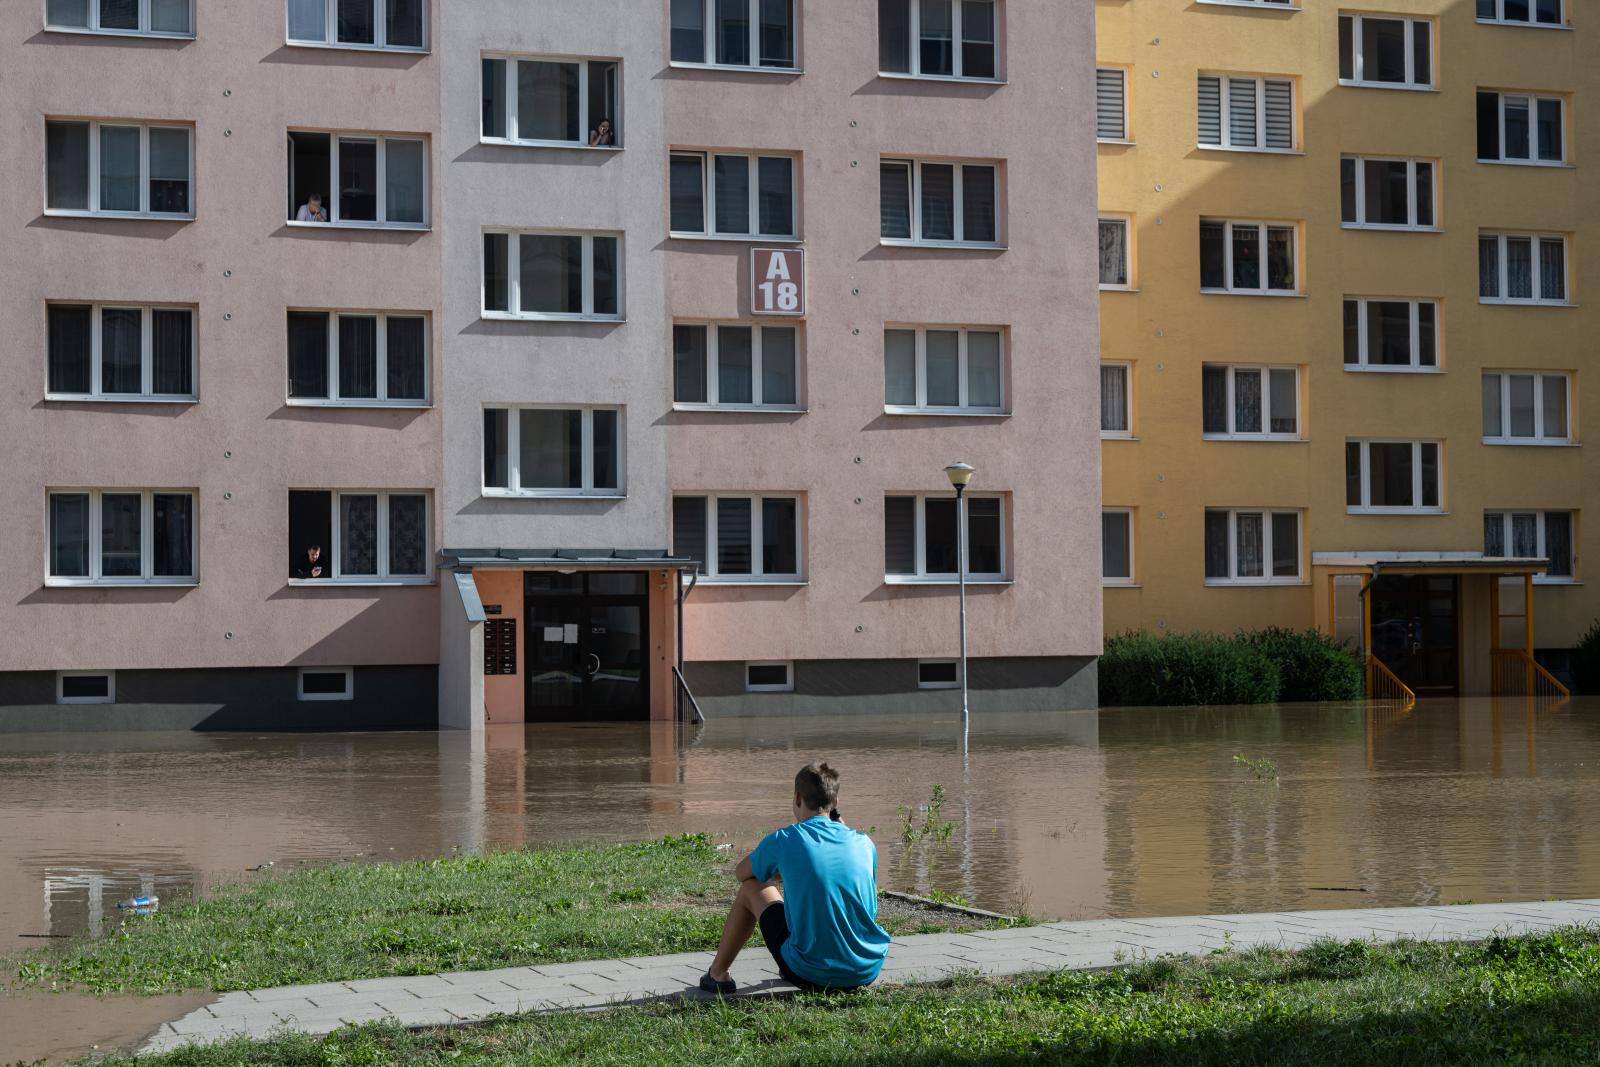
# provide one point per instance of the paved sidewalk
(447, 999)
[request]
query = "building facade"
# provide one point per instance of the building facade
(1342, 270)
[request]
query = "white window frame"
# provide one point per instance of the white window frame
(1531, 22)
(786, 686)
(954, 683)
(1264, 434)
(1534, 100)
(513, 310)
(1542, 548)
(380, 30)
(145, 395)
(1127, 391)
(330, 204)
(1539, 438)
(957, 211)
(1266, 226)
(332, 551)
(349, 683)
(713, 402)
(1286, 5)
(1260, 82)
(1368, 508)
(922, 407)
(111, 687)
(1126, 222)
(920, 532)
(1127, 109)
(144, 29)
(1132, 578)
(1364, 366)
(1358, 57)
(586, 446)
(757, 576)
(382, 400)
(708, 196)
(1537, 269)
(146, 539)
(586, 122)
(1266, 577)
(1360, 222)
(956, 51)
(709, 37)
(144, 211)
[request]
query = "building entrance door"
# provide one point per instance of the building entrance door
(585, 646)
(1416, 631)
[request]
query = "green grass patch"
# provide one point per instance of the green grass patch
(350, 921)
(1520, 1000)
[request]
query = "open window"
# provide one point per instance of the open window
(358, 179)
(561, 102)
(360, 537)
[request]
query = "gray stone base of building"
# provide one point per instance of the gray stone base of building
(874, 686)
(244, 698)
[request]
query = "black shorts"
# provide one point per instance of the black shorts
(775, 931)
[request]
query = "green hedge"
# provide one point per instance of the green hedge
(1586, 661)
(1257, 667)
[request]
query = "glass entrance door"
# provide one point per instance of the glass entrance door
(1415, 631)
(586, 641)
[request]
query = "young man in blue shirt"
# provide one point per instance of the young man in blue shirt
(825, 935)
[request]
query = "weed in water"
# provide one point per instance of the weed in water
(1264, 769)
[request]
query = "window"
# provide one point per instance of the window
(1250, 402)
(1116, 546)
(1522, 12)
(920, 538)
(948, 371)
(1518, 268)
(1392, 475)
(370, 358)
(1115, 272)
(1527, 408)
(107, 168)
(735, 365)
(1518, 128)
(734, 33)
(389, 24)
(322, 683)
(939, 38)
(1252, 547)
(1386, 52)
(1232, 254)
(716, 194)
(571, 103)
(923, 202)
(1532, 535)
(1111, 104)
(552, 451)
(739, 537)
(938, 674)
(86, 687)
(362, 536)
(769, 677)
(121, 537)
(1396, 194)
(107, 352)
(379, 181)
(1254, 114)
(552, 276)
(1395, 335)
(1116, 400)
(150, 18)
(1254, 3)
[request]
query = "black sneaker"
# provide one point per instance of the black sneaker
(721, 989)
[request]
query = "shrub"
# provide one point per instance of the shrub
(1586, 661)
(1199, 668)
(1311, 665)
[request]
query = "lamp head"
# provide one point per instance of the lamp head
(960, 474)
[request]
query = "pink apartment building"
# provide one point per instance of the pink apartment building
(373, 368)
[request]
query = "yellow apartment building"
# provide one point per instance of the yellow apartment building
(1344, 335)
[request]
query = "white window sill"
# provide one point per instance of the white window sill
(1396, 368)
(1523, 25)
(1255, 583)
(121, 583)
(736, 68)
(952, 580)
(737, 238)
(1114, 140)
(343, 46)
(508, 142)
(551, 494)
(1120, 583)
(382, 405)
(357, 583)
(1529, 442)
(1404, 87)
(901, 76)
(1104, 288)
(1385, 227)
(769, 689)
(404, 227)
(1248, 151)
(972, 246)
(104, 398)
(1545, 164)
(1540, 579)
(86, 700)
(785, 582)
(1256, 438)
(945, 413)
(1508, 302)
(1287, 9)
(155, 35)
(938, 685)
(742, 409)
(1112, 436)
(1253, 292)
(506, 316)
(1348, 510)
(132, 216)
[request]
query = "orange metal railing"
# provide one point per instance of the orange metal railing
(1514, 673)
(1384, 685)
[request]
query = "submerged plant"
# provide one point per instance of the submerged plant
(1264, 769)
(934, 825)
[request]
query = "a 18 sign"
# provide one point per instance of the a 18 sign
(777, 281)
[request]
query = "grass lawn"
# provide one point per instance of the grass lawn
(1520, 1000)
(351, 921)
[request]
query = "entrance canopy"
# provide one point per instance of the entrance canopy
(1424, 562)
(560, 558)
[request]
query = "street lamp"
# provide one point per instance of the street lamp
(960, 474)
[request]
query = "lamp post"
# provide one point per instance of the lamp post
(960, 474)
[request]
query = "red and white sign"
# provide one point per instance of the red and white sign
(777, 281)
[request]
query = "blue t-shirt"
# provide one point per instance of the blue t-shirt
(830, 897)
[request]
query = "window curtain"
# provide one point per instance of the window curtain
(1214, 399)
(1242, 107)
(689, 527)
(1110, 115)
(894, 200)
(408, 534)
(1285, 545)
(308, 20)
(1114, 399)
(732, 202)
(899, 535)
(733, 535)
(1210, 116)
(775, 195)
(120, 342)
(983, 369)
(172, 351)
(778, 365)
(1250, 553)
(358, 534)
(735, 381)
(1558, 543)
(689, 364)
(1552, 270)
(173, 535)
(70, 346)
(1280, 114)
(403, 178)
(308, 355)
(358, 357)
(1247, 401)
(1113, 252)
(900, 367)
(1519, 268)
(938, 200)
(1217, 544)
(1489, 267)
(778, 549)
(407, 372)
(943, 349)
(1494, 535)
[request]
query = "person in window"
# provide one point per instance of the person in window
(312, 566)
(601, 136)
(311, 210)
